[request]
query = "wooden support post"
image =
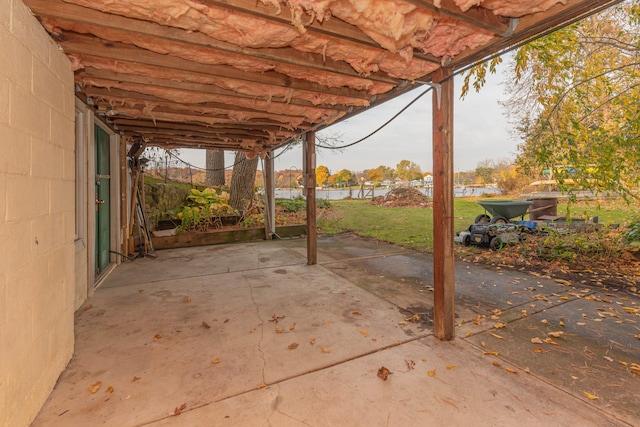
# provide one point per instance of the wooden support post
(269, 197)
(310, 186)
(443, 259)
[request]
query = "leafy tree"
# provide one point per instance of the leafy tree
(322, 175)
(375, 175)
(408, 170)
(343, 177)
(575, 101)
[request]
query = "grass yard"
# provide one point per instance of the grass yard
(413, 227)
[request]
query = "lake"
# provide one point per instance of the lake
(337, 194)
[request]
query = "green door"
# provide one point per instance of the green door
(103, 187)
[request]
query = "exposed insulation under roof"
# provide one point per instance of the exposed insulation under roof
(247, 74)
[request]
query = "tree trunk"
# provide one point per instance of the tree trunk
(215, 168)
(242, 181)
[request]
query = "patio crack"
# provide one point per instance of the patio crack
(276, 408)
(260, 351)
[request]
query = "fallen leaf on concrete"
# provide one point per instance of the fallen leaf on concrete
(491, 353)
(496, 335)
(325, 350)
(326, 322)
(226, 320)
(550, 341)
(110, 389)
(536, 340)
(537, 350)
(410, 364)
(279, 330)
(293, 346)
(276, 318)
(156, 337)
(95, 387)
(591, 396)
(451, 367)
(363, 332)
(496, 363)
(205, 325)
(499, 325)
(527, 370)
(432, 373)
(312, 341)
(545, 321)
(524, 313)
(140, 290)
(468, 333)
(608, 358)
(136, 379)
(384, 373)
(580, 323)
(511, 370)
(637, 336)
(356, 313)
(556, 334)
(563, 282)
(215, 361)
(187, 299)
(87, 307)
(415, 318)
(292, 327)
(561, 323)
(179, 409)
(403, 323)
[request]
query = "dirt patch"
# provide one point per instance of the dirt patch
(403, 197)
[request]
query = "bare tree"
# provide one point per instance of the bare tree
(215, 168)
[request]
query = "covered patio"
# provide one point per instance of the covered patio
(249, 335)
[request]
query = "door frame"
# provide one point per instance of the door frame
(115, 243)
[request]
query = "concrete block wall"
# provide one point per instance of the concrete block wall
(37, 213)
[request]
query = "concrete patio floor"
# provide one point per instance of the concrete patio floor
(249, 335)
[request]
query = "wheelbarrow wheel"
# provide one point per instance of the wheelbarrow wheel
(482, 218)
(499, 220)
(467, 240)
(496, 243)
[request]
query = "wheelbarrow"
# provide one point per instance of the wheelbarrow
(502, 211)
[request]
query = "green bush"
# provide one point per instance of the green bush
(205, 207)
(299, 204)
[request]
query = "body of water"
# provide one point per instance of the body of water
(334, 194)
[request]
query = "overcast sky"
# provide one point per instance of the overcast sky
(481, 132)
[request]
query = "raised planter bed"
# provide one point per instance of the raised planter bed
(188, 239)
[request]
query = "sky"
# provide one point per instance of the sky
(481, 132)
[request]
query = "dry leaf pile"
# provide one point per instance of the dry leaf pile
(406, 197)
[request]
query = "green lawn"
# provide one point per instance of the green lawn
(413, 228)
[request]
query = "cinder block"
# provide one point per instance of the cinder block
(29, 114)
(3, 200)
(27, 28)
(18, 70)
(23, 376)
(18, 329)
(47, 307)
(5, 23)
(47, 233)
(14, 256)
(15, 151)
(62, 197)
(47, 87)
(63, 131)
(46, 159)
(80, 270)
(69, 164)
(5, 99)
(27, 198)
(61, 66)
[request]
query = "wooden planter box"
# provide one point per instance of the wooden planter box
(188, 239)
